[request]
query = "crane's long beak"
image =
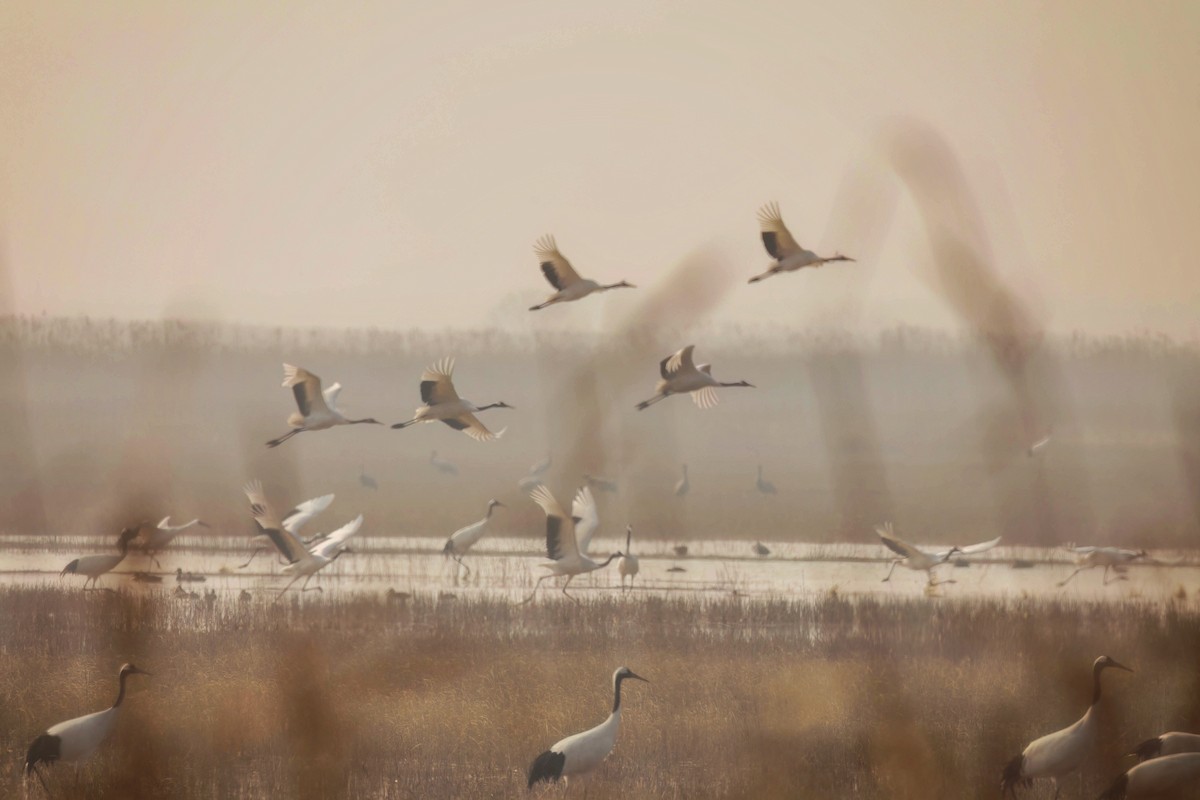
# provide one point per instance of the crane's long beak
(1112, 663)
(636, 677)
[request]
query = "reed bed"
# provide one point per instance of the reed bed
(432, 697)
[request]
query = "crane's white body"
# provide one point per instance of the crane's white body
(681, 375)
(1111, 558)
(1168, 744)
(779, 243)
(303, 562)
(164, 533)
(559, 273)
(95, 566)
(562, 546)
(441, 403)
(1061, 753)
(295, 519)
(465, 538)
(583, 752)
(628, 565)
(1156, 777)
(316, 408)
(912, 557)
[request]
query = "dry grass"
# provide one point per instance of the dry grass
(358, 698)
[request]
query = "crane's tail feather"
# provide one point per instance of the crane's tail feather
(1012, 777)
(1151, 748)
(546, 767)
(44, 748)
(71, 568)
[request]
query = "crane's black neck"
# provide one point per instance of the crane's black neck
(628, 540)
(608, 560)
(1096, 683)
(617, 693)
(121, 691)
(491, 405)
(491, 507)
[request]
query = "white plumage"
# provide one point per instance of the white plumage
(562, 547)
(1061, 753)
(563, 277)
(916, 559)
(317, 410)
(681, 375)
(163, 534)
(585, 751)
(464, 539)
(1168, 744)
(77, 739)
(293, 521)
(95, 566)
(442, 404)
(303, 562)
(1156, 777)
(1111, 558)
(788, 254)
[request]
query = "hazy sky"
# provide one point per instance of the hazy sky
(391, 164)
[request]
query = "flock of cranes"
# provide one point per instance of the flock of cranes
(1168, 760)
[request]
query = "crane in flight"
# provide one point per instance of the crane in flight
(442, 404)
(912, 557)
(681, 375)
(788, 254)
(317, 409)
(562, 276)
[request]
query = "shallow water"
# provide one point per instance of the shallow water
(509, 567)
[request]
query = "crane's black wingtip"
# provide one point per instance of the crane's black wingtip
(546, 767)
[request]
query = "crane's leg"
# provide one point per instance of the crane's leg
(642, 406)
(890, 571)
(535, 588)
(289, 585)
(251, 558)
(1072, 575)
(564, 588)
(285, 437)
(304, 586)
(464, 566)
(41, 780)
(400, 425)
(1056, 790)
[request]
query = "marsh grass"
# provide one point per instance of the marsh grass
(433, 698)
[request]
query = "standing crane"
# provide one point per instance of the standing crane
(464, 539)
(628, 565)
(763, 485)
(563, 277)
(77, 739)
(1058, 754)
(585, 751)
(562, 548)
(302, 562)
(788, 254)
(681, 375)
(916, 559)
(317, 409)
(442, 404)
(682, 486)
(163, 534)
(95, 566)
